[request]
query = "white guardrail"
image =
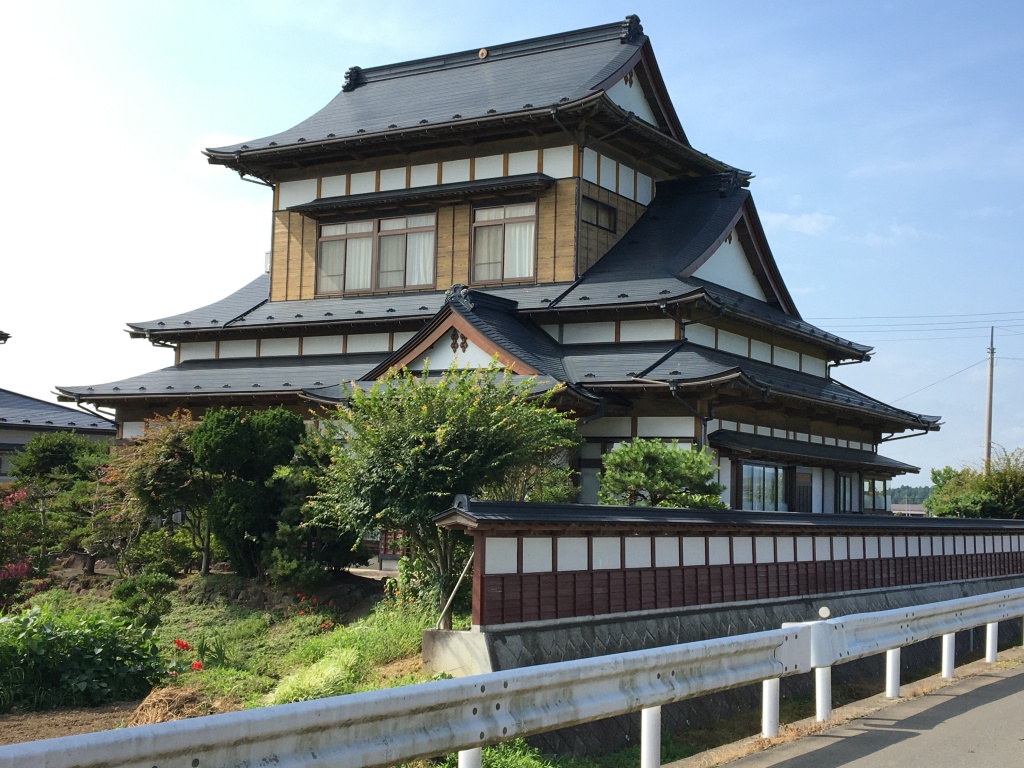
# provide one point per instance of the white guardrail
(384, 728)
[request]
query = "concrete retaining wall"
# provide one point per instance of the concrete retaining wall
(513, 646)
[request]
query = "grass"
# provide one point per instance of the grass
(258, 657)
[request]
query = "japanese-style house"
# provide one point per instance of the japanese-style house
(537, 201)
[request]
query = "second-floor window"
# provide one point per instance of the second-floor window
(504, 242)
(377, 254)
(597, 213)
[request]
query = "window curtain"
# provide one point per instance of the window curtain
(519, 250)
(331, 275)
(419, 262)
(391, 261)
(357, 273)
(487, 253)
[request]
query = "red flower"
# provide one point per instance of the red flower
(182, 645)
(197, 665)
(302, 613)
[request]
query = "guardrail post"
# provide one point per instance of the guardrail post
(650, 737)
(992, 642)
(948, 654)
(823, 694)
(470, 758)
(770, 708)
(892, 673)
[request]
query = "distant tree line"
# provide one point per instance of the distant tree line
(910, 494)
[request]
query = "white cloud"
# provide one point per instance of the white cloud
(803, 223)
(891, 235)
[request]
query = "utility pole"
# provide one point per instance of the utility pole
(988, 405)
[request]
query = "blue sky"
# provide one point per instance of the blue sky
(885, 139)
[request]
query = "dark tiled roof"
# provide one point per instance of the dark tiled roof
(499, 321)
(683, 362)
(4, 337)
(217, 315)
(23, 412)
(812, 453)
(437, 194)
(214, 378)
(687, 219)
(512, 78)
(508, 513)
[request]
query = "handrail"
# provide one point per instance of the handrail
(387, 727)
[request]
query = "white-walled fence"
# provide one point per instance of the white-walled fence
(383, 728)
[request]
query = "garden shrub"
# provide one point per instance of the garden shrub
(50, 660)
(145, 596)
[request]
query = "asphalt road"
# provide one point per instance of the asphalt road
(978, 721)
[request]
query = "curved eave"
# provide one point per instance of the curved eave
(264, 162)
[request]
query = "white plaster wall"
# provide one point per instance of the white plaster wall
(322, 345)
(369, 342)
(608, 174)
(681, 427)
(728, 267)
(197, 350)
(816, 486)
(666, 551)
(441, 356)
(610, 426)
(627, 182)
(557, 161)
(279, 347)
(732, 342)
(787, 358)
(813, 365)
(454, 170)
(238, 348)
(638, 551)
(590, 165)
(295, 193)
(694, 552)
(631, 98)
(718, 550)
(760, 350)
(742, 550)
(392, 178)
(663, 328)
(644, 189)
(333, 186)
(362, 183)
(572, 553)
(537, 554)
(522, 162)
(132, 429)
(701, 334)
(400, 337)
(585, 333)
(423, 175)
(764, 549)
(502, 554)
(725, 477)
(606, 552)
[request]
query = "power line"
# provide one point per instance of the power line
(922, 389)
(918, 317)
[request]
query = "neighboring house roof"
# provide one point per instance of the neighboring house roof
(529, 81)
(27, 413)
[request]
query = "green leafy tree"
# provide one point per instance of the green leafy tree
(301, 550)
(971, 492)
(160, 479)
(650, 473)
(61, 473)
(412, 443)
(242, 448)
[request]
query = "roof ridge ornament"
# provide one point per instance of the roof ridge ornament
(458, 292)
(353, 79)
(631, 29)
